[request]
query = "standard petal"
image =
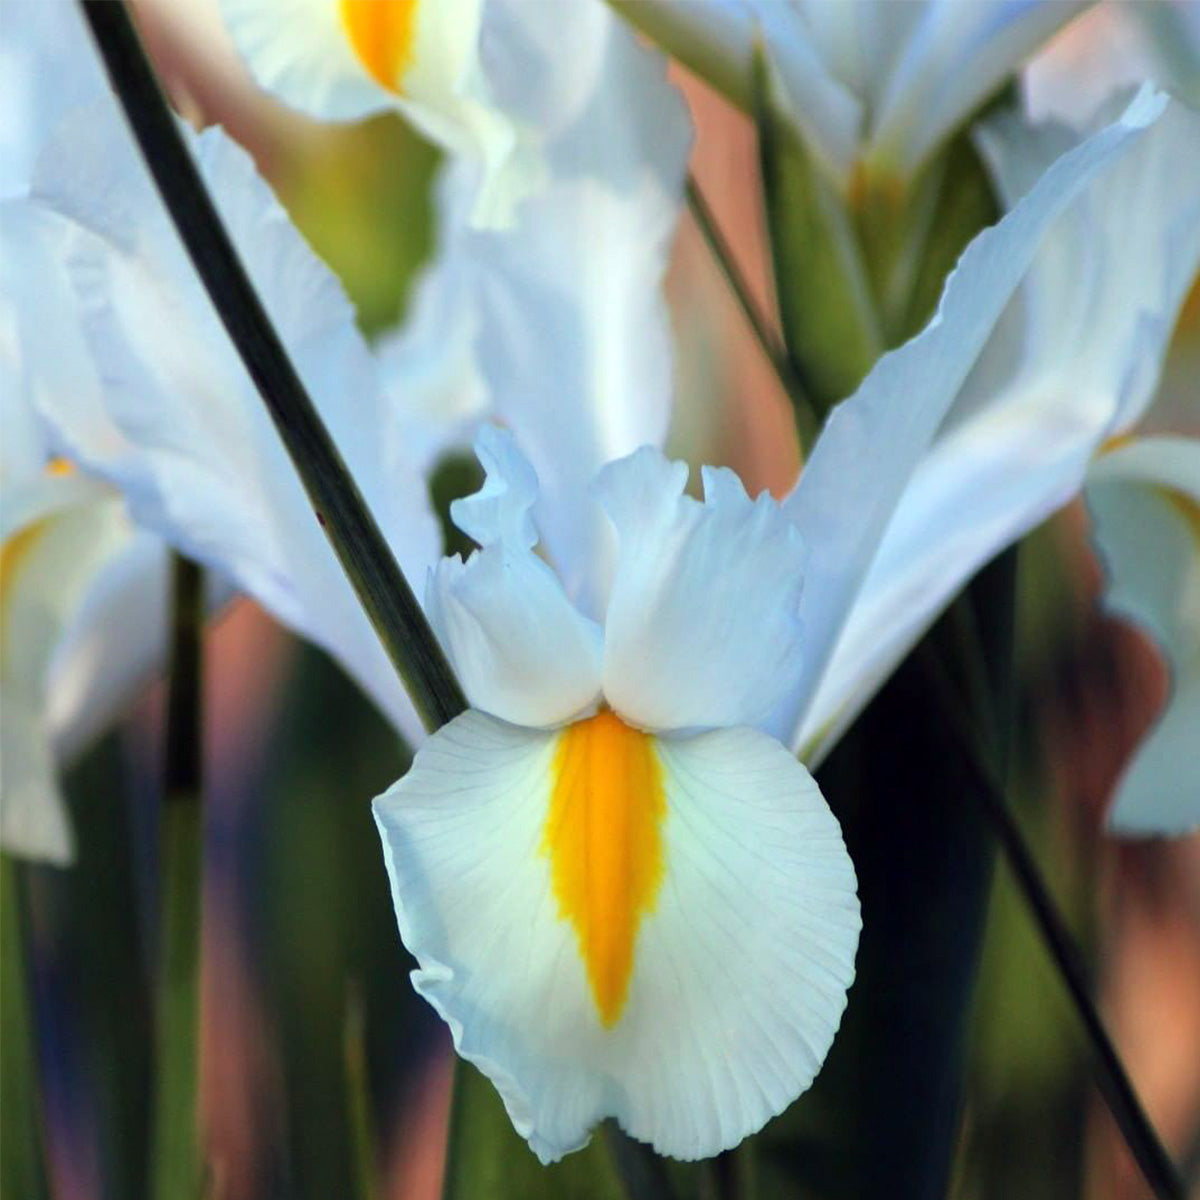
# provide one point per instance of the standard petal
(702, 626)
(956, 55)
(519, 647)
(188, 439)
(574, 335)
(873, 443)
(1075, 359)
(726, 873)
(1144, 499)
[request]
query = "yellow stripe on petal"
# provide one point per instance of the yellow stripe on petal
(382, 33)
(604, 840)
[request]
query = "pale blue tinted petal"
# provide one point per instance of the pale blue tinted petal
(520, 649)
(740, 968)
(1144, 499)
(873, 443)
(702, 627)
(194, 447)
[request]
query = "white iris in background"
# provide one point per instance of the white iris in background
(447, 65)
(872, 85)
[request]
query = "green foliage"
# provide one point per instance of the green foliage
(487, 1158)
(826, 308)
(22, 1170)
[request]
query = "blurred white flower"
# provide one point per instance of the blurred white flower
(873, 86)
(82, 593)
(1144, 498)
(1118, 43)
(457, 69)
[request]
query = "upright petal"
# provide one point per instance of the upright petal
(702, 627)
(519, 647)
(188, 439)
(574, 335)
(716, 857)
(863, 465)
(958, 54)
(1144, 498)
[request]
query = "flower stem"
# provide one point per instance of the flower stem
(786, 370)
(1111, 1077)
(340, 508)
(22, 1164)
(177, 1170)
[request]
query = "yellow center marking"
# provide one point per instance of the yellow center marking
(382, 34)
(604, 841)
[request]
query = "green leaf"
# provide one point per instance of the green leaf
(488, 1158)
(178, 1165)
(826, 305)
(22, 1166)
(883, 1116)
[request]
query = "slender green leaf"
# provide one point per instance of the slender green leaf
(22, 1158)
(826, 306)
(178, 1170)
(488, 1158)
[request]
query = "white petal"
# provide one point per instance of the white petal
(958, 55)
(74, 530)
(299, 51)
(574, 335)
(193, 446)
(873, 443)
(702, 626)
(741, 964)
(49, 67)
(429, 364)
(1144, 499)
(520, 649)
(344, 59)
(115, 646)
(716, 39)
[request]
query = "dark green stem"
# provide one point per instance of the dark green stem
(358, 1100)
(22, 1160)
(176, 1159)
(786, 371)
(1111, 1077)
(360, 546)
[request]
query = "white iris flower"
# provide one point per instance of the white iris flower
(872, 85)
(617, 782)
(625, 894)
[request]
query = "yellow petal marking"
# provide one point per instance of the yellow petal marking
(1187, 508)
(382, 34)
(17, 548)
(604, 841)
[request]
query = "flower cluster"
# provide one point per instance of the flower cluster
(625, 892)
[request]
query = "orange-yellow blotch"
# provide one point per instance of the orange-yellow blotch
(382, 33)
(604, 841)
